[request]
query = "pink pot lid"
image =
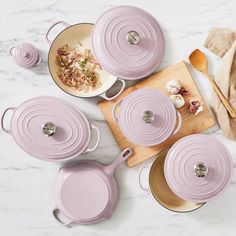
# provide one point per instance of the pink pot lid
(198, 168)
(128, 42)
(82, 194)
(25, 55)
(147, 117)
(50, 128)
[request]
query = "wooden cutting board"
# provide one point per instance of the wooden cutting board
(191, 123)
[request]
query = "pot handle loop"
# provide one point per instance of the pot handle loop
(179, 124)
(56, 213)
(2, 119)
(11, 50)
(114, 110)
(39, 61)
(93, 127)
(103, 95)
(65, 24)
(145, 189)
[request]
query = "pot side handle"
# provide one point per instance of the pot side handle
(56, 214)
(103, 95)
(65, 24)
(179, 124)
(114, 110)
(2, 119)
(93, 127)
(11, 51)
(39, 61)
(145, 189)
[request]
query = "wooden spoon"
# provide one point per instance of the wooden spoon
(199, 62)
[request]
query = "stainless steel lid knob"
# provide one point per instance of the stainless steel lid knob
(132, 37)
(48, 129)
(148, 116)
(200, 169)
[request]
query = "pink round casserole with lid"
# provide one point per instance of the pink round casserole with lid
(198, 168)
(25, 55)
(128, 42)
(147, 117)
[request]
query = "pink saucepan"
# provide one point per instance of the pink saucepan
(86, 192)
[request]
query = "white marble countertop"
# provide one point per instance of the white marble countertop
(26, 184)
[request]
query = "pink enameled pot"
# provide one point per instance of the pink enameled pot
(146, 117)
(198, 168)
(128, 42)
(74, 35)
(25, 55)
(50, 129)
(86, 192)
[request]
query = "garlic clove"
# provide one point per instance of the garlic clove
(195, 107)
(177, 100)
(183, 92)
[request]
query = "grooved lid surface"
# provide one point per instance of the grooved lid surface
(187, 153)
(128, 42)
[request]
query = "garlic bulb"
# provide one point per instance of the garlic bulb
(177, 100)
(173, 86)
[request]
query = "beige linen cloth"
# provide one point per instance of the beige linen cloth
(222, 42)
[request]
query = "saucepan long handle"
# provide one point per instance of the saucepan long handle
(124, 155)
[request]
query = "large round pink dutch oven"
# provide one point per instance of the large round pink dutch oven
(50, 129)
(127, 41)
(86, 192)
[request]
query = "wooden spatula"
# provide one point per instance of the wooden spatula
(199, 62)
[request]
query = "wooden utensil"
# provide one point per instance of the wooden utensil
(199, 62)
(192, 124)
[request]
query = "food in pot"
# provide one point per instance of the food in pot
(173, 86)
(177, 100)
(195, 107)
(77, 68)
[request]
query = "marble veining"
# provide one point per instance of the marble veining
(26, 184)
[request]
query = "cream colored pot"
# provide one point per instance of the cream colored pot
(73, 35)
